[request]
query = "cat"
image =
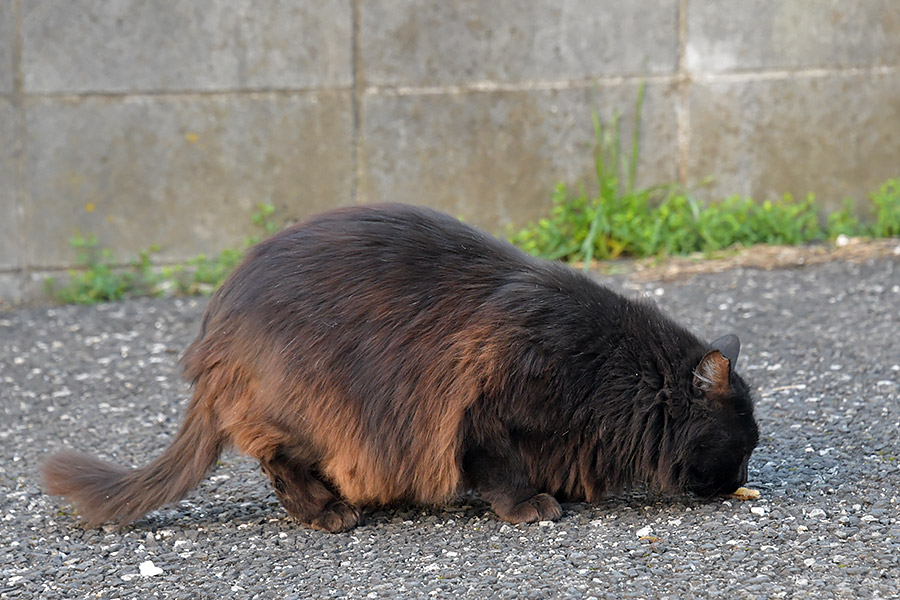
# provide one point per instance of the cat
(390, 353)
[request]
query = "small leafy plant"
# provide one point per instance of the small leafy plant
(887, 209)
(101, 278)
(623, 219)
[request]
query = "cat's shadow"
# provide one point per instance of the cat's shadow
(469, 508)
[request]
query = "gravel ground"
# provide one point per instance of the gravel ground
(820, 346)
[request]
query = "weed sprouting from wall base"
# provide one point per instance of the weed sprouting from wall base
(624, 219)
(101, 278)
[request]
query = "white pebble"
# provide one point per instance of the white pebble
(148, 569)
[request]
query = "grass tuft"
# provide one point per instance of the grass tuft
(101, 278)
(623, 219)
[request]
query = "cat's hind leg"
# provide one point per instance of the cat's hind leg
(306, 497)
(497, 471)
(290, 465)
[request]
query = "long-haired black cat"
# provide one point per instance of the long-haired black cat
(382, 354)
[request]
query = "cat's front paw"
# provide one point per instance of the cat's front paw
(540, 507)
(336, 517)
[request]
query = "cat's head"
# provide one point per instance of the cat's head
(719, 432)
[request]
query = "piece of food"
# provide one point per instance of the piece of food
(743, 493)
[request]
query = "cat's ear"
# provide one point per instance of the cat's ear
(712, 375)
(729, 345)
(714, 371)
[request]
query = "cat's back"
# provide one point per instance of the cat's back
(402, 254)
(392, 238)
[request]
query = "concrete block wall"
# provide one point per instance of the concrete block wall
(168, 122)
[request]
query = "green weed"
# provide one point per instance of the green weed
(887, 209)
(101, 278)
(843, 221)
(622, 219)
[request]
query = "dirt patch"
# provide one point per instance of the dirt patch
(755, 257)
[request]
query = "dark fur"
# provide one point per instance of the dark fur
(390, 353)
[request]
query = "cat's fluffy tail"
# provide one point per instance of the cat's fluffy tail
(102, 491)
